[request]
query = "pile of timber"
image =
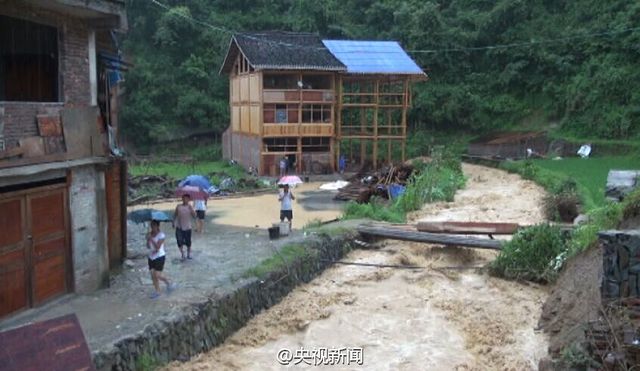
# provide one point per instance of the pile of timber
(365, 185)
(145, 188)
(443, 233)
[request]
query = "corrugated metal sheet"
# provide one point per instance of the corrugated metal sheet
(384, 57)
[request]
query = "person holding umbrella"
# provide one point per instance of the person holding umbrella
(286, 210)
(155, 242)
(182, 217)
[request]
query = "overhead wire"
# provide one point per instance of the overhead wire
(413, 51)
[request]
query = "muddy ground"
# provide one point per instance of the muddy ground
(261, 211)
(442, 317)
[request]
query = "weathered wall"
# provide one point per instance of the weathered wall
(226, 144)
(621, 263)
(246, 150)
(73, 42)
(20, 119)
(88, 229)
(208, 323)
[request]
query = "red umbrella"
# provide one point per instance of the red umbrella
(194, 192)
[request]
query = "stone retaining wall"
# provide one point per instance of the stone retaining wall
(206, 324)
(621, 263)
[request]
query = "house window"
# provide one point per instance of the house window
(316, 113)
(28, 61)
(280, 81)
(316, 144)
(281, 144)
(316, 82)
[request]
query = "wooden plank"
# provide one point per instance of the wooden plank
(415, 236)
(467, 227)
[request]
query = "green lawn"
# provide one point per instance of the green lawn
(591, 173)
(181, 170)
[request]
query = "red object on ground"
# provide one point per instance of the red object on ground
(56, 344)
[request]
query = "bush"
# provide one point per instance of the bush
(632, 204)
(374, 210)
(207, 153)
(563, 207)
(534, 254)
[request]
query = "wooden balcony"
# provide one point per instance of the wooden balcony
(298, 95)
(296, 130)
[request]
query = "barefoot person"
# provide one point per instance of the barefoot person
(286, 211)
(201, 209)
(155, 242)
(182, 222)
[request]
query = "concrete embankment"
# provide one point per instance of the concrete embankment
(206, 324)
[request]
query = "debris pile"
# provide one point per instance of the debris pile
(363, 186)
(143, 188)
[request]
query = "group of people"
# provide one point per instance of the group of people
(183, 216)
(182, 219)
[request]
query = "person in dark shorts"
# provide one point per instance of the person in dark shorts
(286, 210)
(182, 222)
(155, 242)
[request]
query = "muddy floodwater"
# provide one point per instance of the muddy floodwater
(441, 317)
(311, 204)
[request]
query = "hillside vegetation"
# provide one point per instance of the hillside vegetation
(493, 65)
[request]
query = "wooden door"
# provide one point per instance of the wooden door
(35, 253)
(47, 218)
(13, 268)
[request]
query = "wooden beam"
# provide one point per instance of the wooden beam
(375, 124)
(441, 239)
(467, 227)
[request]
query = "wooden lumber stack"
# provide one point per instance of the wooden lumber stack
(362, 191)
(468, 227)
(404, 234)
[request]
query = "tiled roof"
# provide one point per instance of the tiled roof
(276, 50)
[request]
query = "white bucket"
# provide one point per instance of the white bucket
(284, 228)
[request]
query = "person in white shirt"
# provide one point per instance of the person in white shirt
(155, 242)
(286, 210)
(201, 209)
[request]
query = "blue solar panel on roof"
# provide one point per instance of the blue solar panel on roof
(372, 57)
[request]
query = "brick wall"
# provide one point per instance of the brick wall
(19, 117)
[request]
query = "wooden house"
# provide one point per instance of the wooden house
(62, 185)
(295, 95)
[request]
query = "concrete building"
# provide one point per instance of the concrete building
(62, 185)
(310, 100)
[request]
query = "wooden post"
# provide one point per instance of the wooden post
(405, 102)
(261, 170)
(363, 143)
(376, 93)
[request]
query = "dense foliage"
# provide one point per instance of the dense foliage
(531, 254)
(583, 81)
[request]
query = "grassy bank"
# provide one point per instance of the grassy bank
(589, 175)
(180, 170)
(435, 181)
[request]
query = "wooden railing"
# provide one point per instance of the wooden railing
(297, 95)
(294, 130)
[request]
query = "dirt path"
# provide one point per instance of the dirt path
(436, 319)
